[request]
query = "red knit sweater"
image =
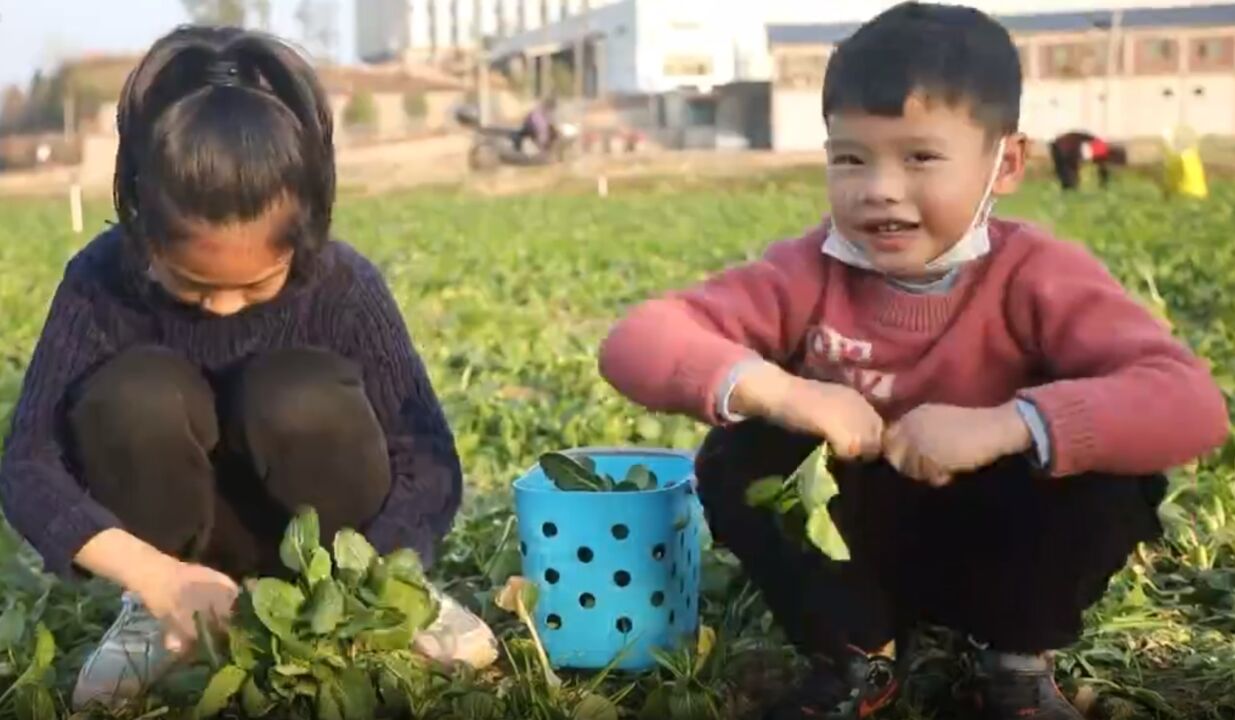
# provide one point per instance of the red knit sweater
(1037, 318)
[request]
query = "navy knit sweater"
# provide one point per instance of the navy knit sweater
(102, 307)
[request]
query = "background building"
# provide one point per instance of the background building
(720, 73)
(441, 30)
(1121, 73)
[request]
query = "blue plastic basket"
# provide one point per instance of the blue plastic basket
(618, 573)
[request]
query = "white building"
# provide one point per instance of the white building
(427, 30)
(705, 62)
(652, 46)
(647, 46)
(1122, 71)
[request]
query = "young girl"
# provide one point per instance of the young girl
(216, 361)
(1002, 409)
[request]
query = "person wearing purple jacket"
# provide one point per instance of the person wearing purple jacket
(216, 361)
(539, 126)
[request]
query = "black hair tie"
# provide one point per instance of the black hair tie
(223, 73)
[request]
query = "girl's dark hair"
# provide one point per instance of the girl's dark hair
(217, 124)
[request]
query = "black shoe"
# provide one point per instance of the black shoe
(865, 685)
(1021, 687)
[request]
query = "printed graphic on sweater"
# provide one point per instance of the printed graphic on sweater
(832, 357)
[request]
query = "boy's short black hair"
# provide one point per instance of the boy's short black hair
(949, 53)
(217, 124)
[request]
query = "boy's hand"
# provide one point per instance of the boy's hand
(830, 411)
(933, 443)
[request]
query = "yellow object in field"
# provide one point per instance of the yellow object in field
(1183, 171)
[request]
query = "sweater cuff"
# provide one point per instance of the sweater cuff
(1037, 428)
(725, 392)
(1069, 421)
(68, 532)
(698, 376)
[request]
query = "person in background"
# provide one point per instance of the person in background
(216, 361)
(539, 126)
(1070, 150)
(999, 410)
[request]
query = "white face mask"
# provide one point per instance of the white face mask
(975, 243)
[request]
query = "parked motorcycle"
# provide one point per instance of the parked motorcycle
(494, 146)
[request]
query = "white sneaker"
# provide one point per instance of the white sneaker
(456, 636)
(128, 659)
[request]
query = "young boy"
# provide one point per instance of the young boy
(1000, 409)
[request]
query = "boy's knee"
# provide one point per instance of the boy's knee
(142, 397)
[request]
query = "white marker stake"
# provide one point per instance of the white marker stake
(75, 207)
(602, 186)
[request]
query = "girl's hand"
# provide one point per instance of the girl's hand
(175, 592)
(933, 443)
(831, 411)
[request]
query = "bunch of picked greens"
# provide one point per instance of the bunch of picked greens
(801, 504)
(335, 643)
(580, 475)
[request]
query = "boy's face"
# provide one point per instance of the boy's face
(905, 189)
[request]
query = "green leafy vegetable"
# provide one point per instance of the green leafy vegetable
(219, 693)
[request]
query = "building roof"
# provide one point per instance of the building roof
(1189, 16)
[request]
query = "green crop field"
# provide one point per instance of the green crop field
(507, 300)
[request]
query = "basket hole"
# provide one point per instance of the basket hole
(673, 570)
(658, 552)
(624, 625)
(554, 622)
(549, 529)
(620, 532)
(552, 576)
(621, 578)
(658, 599)
(673, 617)
(585, 554)
(523, 549)
(587, 600)
(682, 586)
(688, 602)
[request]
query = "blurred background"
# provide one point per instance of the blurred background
(635, 76)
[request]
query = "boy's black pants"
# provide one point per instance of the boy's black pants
(211, 470)
(1006, 555)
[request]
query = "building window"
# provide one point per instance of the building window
(687, 66)
(1157, 56)
(1026, 57)
(1212, 54)
(1065, 60)
(701, 112)
(800, 70)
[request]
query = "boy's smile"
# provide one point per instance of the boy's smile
(906, 189)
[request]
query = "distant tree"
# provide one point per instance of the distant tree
(225, 12)
(361, 110)
(416, 105)
(261, 10)
(319, 27)
(12, 110)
